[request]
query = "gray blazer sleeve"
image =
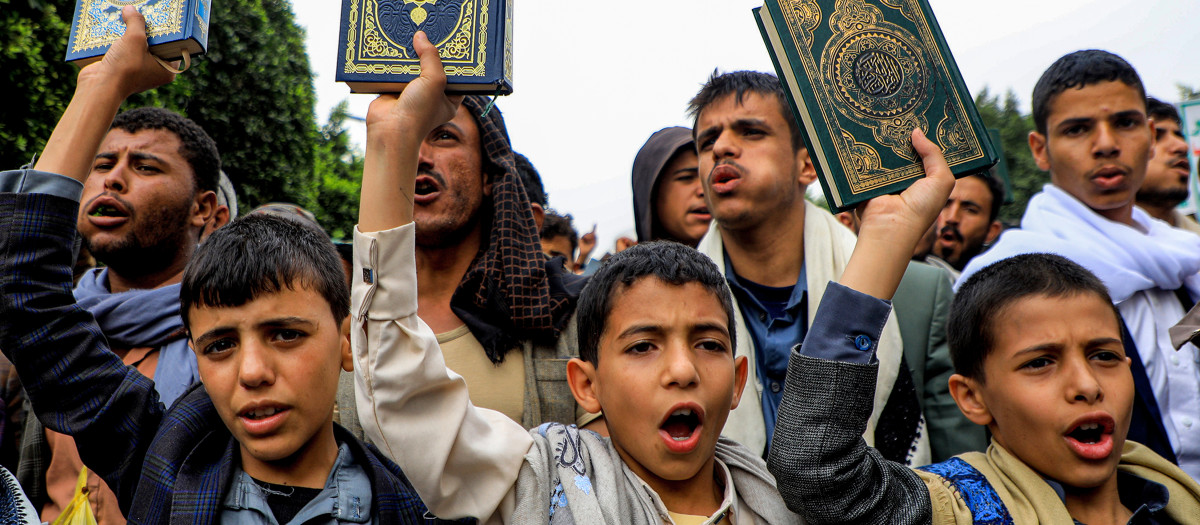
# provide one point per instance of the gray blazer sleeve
(826, 472)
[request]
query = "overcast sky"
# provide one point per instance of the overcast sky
(593, 80)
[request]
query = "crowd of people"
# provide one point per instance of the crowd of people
(733, 360)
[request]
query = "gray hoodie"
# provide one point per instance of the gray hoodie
(647, 167)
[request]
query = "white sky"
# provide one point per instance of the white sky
(593, 80)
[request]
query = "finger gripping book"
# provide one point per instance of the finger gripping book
(173, 27)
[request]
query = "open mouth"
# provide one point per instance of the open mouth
(700, 213)
(1091, 437)
(426, 186)
(680, 430)
(1109, 178)
(262, 418)
(724, 178)
(949, 235)
(105, 210)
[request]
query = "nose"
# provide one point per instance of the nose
(726, 145)
(116, 180)
(1105, 144)
(425, 158)
(679, 367)
(1177, 146)
(256, 367)
(1082, 384)
(949, 215)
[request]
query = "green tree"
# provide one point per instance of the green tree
(1025, 177)
(253, 94)
(37, 81)
(339, 167)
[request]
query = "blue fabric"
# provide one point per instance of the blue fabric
(139, 319)
(33, 181)
(847, 326)
(346, 498)
(775, 329)
(986, 506)
(163, 465)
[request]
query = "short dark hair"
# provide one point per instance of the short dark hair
(738, 83)
(261, 254)
(996, 188)
(971, 328)
(1160, 111)
(1078, 70)
(197, 148)
(556, 225)
(667, 261)
(531, 179)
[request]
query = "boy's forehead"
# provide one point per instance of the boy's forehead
(1079, 101)
(650, 301)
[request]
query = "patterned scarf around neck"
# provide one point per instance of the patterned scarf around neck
(510, 293)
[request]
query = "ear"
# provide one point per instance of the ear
(347, 354)
(969, 397)
(741, 370)
(1037, 146)
(807, 170)
(581, 377)
(539, 214)
(993, 231)
(847, 219)
(203, 208)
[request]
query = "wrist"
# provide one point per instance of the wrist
(91, 87)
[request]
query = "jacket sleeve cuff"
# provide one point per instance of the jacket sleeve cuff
(385, 273)
(846, 327)
(33, 181)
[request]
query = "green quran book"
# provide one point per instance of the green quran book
(860, 76)
(473, 37)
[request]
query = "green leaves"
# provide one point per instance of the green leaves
(1014, 128)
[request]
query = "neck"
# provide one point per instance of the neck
(308, 467)
(1123, 215)
(699, 495)
(119, 282)
(1097, 506)
(440, 269)
(771, 253)
(1161, 212)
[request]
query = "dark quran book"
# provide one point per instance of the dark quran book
(473, 37)
(860, 75)
(173, 26)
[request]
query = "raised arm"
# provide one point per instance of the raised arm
(825, 471)
(75, 384)
(463, 461)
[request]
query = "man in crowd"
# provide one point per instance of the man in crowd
(1095, 138)
(968, 222)
(668, 198)
(778, 253)
(150, 194)
(559, 238)
(502, 312)
(1166, 183)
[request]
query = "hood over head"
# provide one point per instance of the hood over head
(647, 166)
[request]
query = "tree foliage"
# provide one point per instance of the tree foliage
(37, 82)
(339, 167)
(1025, 177)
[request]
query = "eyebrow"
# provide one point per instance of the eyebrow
(278, 322)
(742, 123)
(136, 155)
(1057, 348)
(656, 329)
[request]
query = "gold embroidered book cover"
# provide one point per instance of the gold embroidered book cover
(173, 27)
(860, 76)
(473, 37)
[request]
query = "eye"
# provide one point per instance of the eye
(753, 132)
(1126, 122)
(288, 336)
(1037, 363)
(442, 135)
(1075, 130)
(707, 143)
(219, 348)
(640, 348)
(146, 168)
(712, 345)
(1107, 355)
(102, 166)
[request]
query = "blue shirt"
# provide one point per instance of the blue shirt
(345, 499)
(777, 320)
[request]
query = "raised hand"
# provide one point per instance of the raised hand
(891, 225)
(397, 124)
(126, 68)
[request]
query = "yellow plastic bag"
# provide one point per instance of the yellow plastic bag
(79, 510)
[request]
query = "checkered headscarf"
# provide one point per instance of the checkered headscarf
(510, 293)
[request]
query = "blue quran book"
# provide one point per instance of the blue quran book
(473, 37)
(173, 26)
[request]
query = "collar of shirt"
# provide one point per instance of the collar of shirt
(729, 505)
(345, 499)
(1147, 499)
(794, 301)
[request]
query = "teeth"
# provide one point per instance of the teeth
(262, 412)
(1089, 426)
(682, 412)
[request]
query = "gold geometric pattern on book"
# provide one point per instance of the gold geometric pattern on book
(100, 20)
(463, 50)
